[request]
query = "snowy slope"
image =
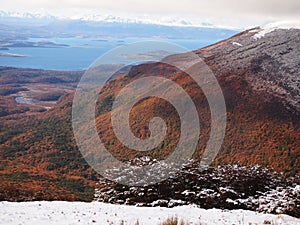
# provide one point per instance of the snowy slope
(268, 28)
(102, 213)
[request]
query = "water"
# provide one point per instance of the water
(21, 99)
(81, 53)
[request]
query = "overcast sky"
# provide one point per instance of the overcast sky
(241, 13)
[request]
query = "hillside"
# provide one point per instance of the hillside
(39, 158)
(260, 81)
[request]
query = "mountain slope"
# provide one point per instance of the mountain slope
(260, 81)
(262, 92)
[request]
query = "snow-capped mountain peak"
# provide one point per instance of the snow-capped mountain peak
(110, 18)
(27, 15)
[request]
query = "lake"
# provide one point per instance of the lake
(21, 99)
(80, 53)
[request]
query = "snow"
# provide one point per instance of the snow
(61, 213)
(231, 201)
(158, 202)
(237, 44)
(187, 192)
(276, 200)
(274, 26)
(266, 191)
(111, 17)
(33, 15)
(225, 189)
(96, 16)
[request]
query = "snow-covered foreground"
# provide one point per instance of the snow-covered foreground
(102, 213)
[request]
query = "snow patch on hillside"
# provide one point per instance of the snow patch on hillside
(268, 28)
(101, 213)
(237, 44)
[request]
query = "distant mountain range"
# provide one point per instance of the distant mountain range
(109, 18)
(5, 14)
(24, 25)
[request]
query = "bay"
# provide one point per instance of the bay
(80, 53)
